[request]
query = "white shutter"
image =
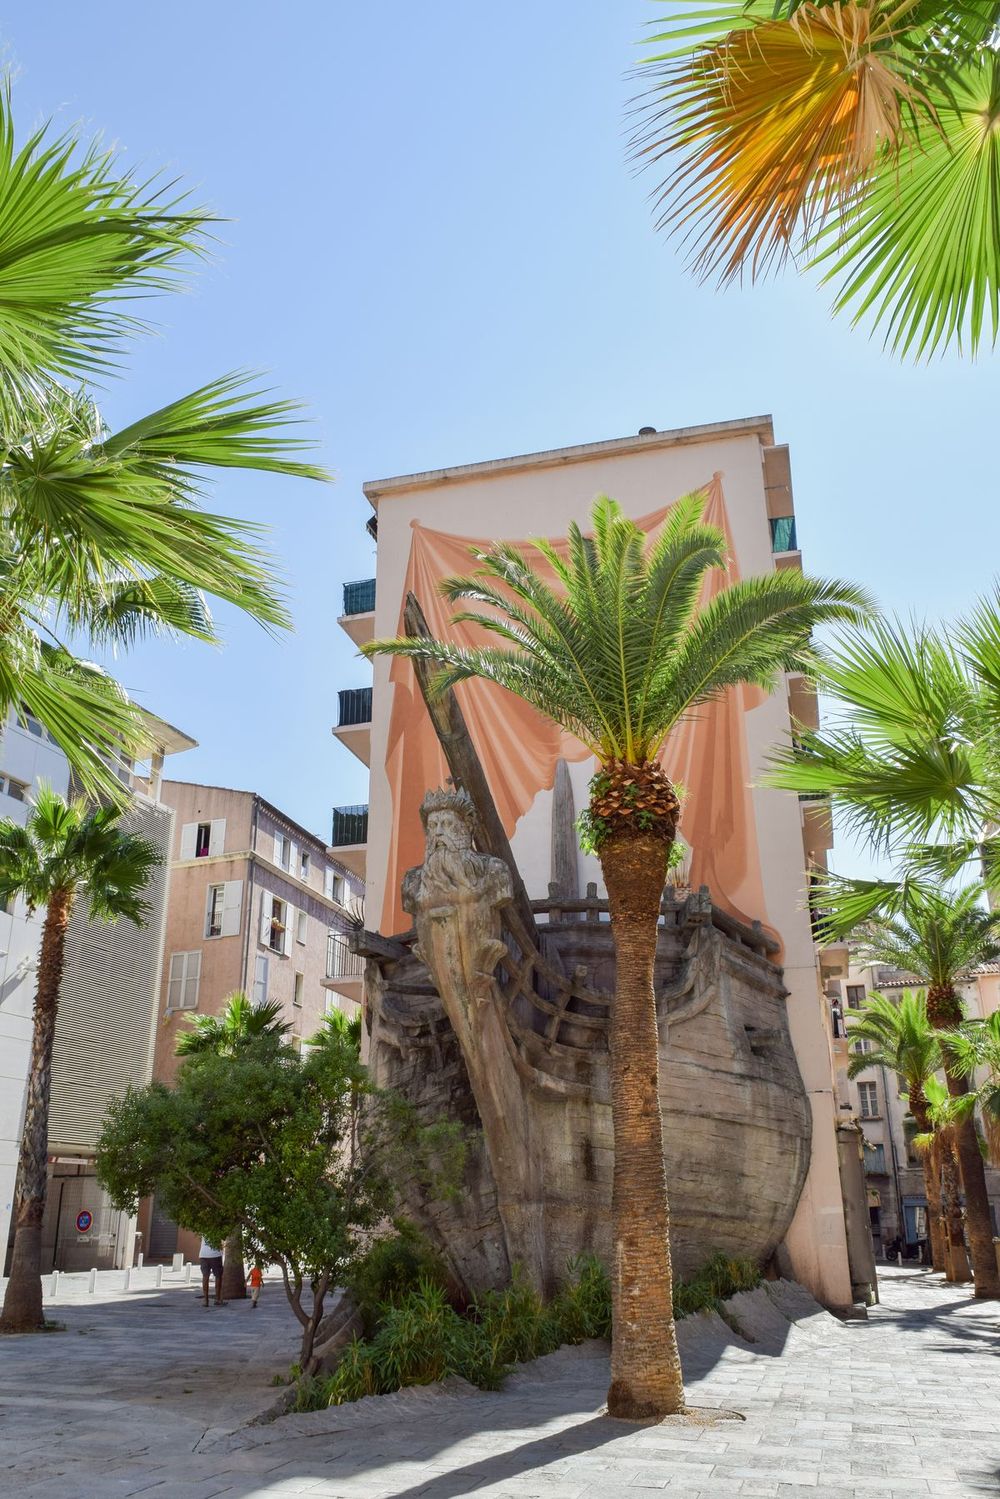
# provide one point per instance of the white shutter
(189, 839)
(266, 904)
(175, 986)
(328, 883)
(293, 854)
(217, 837)
(192, 975)
(301, 927)
(279, 848)
(260, 981)
(286, 946)
(232, 902)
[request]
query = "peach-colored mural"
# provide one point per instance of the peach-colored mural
(519, 748)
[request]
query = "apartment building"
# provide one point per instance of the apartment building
(897, 1203)
(753, 846)
(259, 904)
(107, 1012)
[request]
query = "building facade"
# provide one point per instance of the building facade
(258, 904)
(753, 847)
(897, 1203)
(107, 1009)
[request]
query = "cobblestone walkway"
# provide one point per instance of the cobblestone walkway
(141, 1394)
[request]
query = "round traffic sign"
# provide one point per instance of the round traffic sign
(84, 1221)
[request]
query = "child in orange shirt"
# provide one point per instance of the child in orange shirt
(256, 1281)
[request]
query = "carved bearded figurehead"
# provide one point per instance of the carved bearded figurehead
(453, 872)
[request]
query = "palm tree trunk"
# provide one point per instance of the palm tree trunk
(22, 1306)
(944, 1010)
(932, 1183)
(646, 1379)
(234, 1276)
(957, 1266)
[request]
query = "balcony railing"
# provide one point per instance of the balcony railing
(359, 598)
(341, 963)
(355, 707)
(350, 825)
(783, 534)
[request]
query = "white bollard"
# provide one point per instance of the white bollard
(159, 1276)
(55, 1282)
(178, 1262)
(128, 1277)
(189, 1269)
(138, 1262)
(93, 1281)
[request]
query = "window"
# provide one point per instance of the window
(182, 985)
(868, 1093)
(213, 918)
(860, 1047)
(297, 991)
(301, 924)
(333, 886)
(304, 865)
(260, 981)
(203, 840)
(282, 850)
(875, 1159)
(276, 938)
(855, 996)
(16, 790)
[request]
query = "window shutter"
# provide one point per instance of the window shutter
(189, 835)
(260, 982)
(328, 883)
(302, 921)
(279, 848)
(217, 837)
(232, 902)
(293, 855)
(266, 904)
(208, 909)
(175, 986)
(192, 975)
(286, 946)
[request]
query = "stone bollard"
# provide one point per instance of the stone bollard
(55, 1283)
(138, 1262)
(93, 1281)
(128, 1277)
(189, 1269)
(159, 1276)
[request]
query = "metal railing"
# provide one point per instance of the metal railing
(350, 826)
(341, 962)
(355, 707)
(359, 598)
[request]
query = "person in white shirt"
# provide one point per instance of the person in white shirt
(210, 1260)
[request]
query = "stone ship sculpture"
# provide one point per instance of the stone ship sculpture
(493, 1011)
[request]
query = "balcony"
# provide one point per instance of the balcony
(345, 970)
(358, 618)
(349, 837)
(354, 722)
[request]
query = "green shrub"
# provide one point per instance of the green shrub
(420, 1337)
(391, 1268)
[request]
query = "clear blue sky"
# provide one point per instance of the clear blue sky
(437, 243)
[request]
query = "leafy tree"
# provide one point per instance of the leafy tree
(101, 532)
(619, 652)
(900, 1038)
(938, 937)
(239, 1025)
(66, 850)
(858, 137)
(258, 1138)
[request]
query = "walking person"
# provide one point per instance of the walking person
(256, 1281)
(210, 1260)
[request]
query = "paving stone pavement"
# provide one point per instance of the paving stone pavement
(143, 1393)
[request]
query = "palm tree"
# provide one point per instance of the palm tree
(858, 136)
(937, 937)
(337, 1027)
(938, 1141)
(900, 1039)
(240, 1026)
(101, 532)
(977, 1046)
(619, 653)
(65, 850)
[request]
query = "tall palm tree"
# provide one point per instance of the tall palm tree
(65, 850)
(619, 652)
(901, 1039)
(938, 1139)
(101, 532)
(976, 1048)
(938, 937)
(857, 135)
(240, 1025)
